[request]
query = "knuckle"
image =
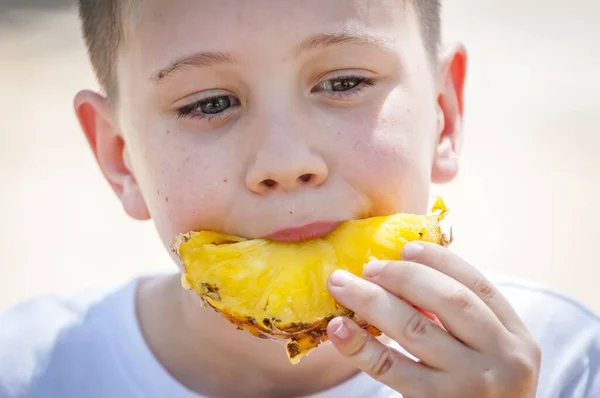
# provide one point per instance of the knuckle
(357, 345)
(534, 349)
(484, 288)
(445, 260)
(406, 273)
(521, 367)
(417, 327)
(537, 354)
(481, 385)
(380, 363)
(369, 297)
(461, 299)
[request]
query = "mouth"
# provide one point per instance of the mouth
(307, 232)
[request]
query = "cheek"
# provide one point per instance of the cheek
(391, 158)
(185, 183)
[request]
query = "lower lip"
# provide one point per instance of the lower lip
(307, 232)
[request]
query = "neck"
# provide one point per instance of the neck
(204, 352)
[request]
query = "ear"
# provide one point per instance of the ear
(98, 122)
(451, 80)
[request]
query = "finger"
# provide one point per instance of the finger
(448, 263)
(461, 312)
(399, 320)
(383, 363)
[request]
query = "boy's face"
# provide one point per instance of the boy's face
(252, 117)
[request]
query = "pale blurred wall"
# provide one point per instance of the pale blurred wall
(526, 202)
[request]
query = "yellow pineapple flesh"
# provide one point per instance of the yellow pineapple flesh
(279, 289)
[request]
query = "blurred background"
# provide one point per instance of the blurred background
(526, 202)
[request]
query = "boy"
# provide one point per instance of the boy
(253, 119)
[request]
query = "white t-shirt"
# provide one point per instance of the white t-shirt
(91, 346)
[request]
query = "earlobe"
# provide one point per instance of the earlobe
(451, 78)
(97, 120)
(133, 201)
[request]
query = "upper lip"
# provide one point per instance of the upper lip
(306, 232)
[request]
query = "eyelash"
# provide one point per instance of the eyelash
(361, 83)
(189, 110)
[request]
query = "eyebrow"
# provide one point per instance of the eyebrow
(319, 41)
(324, 40)
(197, 60)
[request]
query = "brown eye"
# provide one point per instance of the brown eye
(344, 84)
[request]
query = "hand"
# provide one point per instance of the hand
(484, 351)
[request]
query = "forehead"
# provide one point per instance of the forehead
(161, 31)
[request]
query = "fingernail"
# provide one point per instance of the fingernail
(373, 268)
(340, 330)
(340, 278)
(411, 250)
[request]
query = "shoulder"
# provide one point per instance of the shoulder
(32, 331)
(27, 336)
(567, 332)
(542, 306)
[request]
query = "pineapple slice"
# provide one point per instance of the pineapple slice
(279, 290)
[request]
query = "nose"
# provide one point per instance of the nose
(288, 166)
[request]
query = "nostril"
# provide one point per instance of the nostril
(269, 183)
(306, 177)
